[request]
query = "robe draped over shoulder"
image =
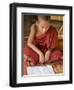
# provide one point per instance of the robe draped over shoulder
(46, 41)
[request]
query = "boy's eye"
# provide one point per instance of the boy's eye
(42, 27)
(45, 27)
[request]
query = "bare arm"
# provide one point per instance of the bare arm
(30, 39)
(47, 55)
(31, 45)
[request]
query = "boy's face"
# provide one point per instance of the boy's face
(43, 25)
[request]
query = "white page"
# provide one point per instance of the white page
(40, 70)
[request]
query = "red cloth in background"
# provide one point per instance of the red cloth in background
(48, 40)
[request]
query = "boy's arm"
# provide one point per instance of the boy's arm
(31, 45)
(30, 40)
(47, 54)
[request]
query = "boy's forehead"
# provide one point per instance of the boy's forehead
(44, 22)
(43, 17)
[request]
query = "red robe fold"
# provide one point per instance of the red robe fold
(48, 40)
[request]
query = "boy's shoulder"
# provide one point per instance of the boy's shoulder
(33, 26)
(53, 29)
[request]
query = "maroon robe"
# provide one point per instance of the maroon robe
(48, 40)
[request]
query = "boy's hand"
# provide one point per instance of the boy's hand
(41, 58)
(47, 55)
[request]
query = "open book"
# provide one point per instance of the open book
(40, 70)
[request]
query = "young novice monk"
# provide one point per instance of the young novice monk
(42, 43)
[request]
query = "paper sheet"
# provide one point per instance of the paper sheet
(40, 70)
